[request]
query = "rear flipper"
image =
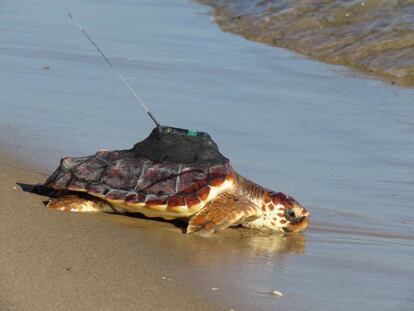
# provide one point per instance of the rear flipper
(74, 203)
(69, 201)
(225, 211)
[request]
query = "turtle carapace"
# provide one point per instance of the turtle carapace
(173, 173)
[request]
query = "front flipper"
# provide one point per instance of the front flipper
(223, 212)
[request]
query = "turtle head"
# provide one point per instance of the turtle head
(284, 213)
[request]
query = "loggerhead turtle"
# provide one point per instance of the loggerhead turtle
(173, 173)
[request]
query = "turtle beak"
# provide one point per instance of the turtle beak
(300, 225)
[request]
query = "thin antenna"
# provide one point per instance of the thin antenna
(116, 70)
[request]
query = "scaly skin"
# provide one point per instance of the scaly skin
(279, 212)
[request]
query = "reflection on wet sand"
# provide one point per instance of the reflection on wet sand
(232, 245)
(241, 244)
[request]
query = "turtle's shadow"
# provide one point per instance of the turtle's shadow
(178, 223)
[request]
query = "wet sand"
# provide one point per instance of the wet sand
(340, 144)
(373, 36)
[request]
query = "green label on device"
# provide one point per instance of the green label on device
(192, 133)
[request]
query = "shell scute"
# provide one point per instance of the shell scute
(89, 170)
(191, 181)
(217, 171)
(158, 178)
(194, 168)
(193, 186)
(123, 173)
(217, 182)
(76, 185)
(135, 198)
(191, 201)
(163, 187)
(61, 180)
(98, 189)
(116, 195)
(111, 156)
(138, 184)
(156, 200)
(68, 163)
(203, 193)
(131, 197)
(175, 201)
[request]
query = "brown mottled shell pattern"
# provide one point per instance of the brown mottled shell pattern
(137, 184)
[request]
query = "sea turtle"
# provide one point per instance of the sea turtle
(174, 173)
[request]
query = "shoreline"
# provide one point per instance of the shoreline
(324, 34)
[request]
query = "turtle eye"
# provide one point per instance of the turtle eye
(290, 215)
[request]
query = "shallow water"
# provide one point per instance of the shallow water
(340, 144)
(373, 35)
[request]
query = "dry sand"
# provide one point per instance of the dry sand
(63, 261)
